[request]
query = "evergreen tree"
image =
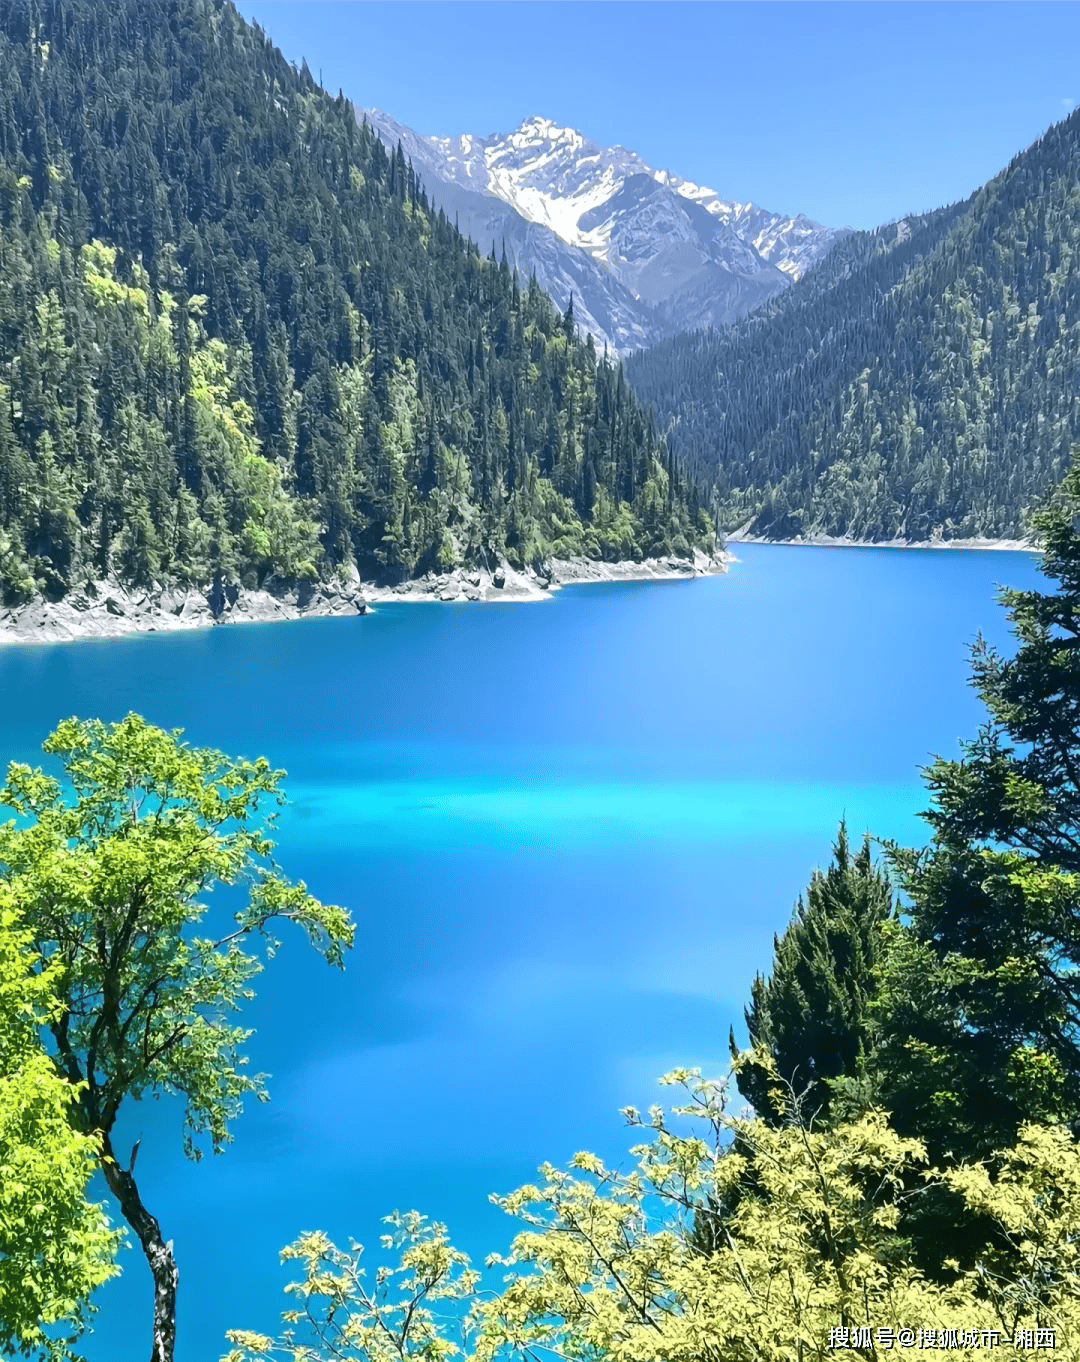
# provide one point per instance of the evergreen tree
(982, 1028)
(811, 1018)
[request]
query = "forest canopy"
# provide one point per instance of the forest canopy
(235, 337)
(920, 382)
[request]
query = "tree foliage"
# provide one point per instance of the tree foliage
(961, 1015)
(605, 1265)
(236, 338)
(812, 1015)
(417, 1308)
(108, 872)
(55, 1245)
(921, 381)
(983, 1027)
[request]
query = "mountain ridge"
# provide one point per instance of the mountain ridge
(677, 255)
(603, 305)
(921, 383)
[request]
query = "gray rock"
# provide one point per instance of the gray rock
(108, 609)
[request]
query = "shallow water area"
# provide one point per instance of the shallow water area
(568, 831)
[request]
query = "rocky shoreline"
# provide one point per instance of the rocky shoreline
(504, 583)
(825, 541)
(109, 610)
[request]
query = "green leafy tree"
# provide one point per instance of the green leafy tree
(811, 1016)
(55, 1245)
(109, 871)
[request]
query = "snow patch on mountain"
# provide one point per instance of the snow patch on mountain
(644, 251)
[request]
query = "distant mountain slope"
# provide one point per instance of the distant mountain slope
(603, 305)
(923, 380)
(668, 253)
(236, 339)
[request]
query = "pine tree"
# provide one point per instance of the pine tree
(812, 1016)
(982, 1031)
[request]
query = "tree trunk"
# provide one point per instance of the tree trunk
(159, 1254)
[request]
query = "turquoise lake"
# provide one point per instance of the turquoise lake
(568, 831)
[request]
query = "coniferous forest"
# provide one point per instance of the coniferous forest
(920, 382)
(236, 338)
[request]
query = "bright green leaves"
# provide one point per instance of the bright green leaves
(55, 1246)
(106, 876)
(111, 878)
(410, 1310)
(328, 927)
(604, 1265)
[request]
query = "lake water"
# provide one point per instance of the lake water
(568, 831)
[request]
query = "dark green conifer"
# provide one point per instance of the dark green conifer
(812, 1015)
(982, 1027)
(920, 381)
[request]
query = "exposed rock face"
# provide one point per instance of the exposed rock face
(106, 609)
(505, 583)
(645, 253)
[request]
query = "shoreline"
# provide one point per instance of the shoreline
(825, 541)
(504, 583)
(109, 610)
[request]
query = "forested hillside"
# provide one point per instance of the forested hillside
(921, 381)
(235, 337)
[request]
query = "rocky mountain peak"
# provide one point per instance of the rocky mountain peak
(671, 254)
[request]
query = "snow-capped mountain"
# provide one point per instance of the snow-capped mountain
(644, 252)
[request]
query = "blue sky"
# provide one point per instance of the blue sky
(852, 112)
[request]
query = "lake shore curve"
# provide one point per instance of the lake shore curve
(111, 610)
